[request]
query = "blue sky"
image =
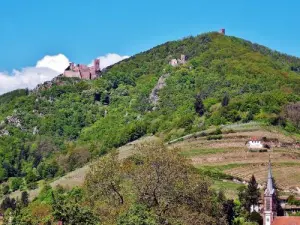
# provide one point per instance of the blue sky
(82, 30)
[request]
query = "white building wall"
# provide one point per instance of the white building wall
(255, 145)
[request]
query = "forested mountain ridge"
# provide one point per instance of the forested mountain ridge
(49, 132)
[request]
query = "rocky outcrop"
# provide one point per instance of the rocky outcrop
(4, 133)
(14, 121)
(161, 83)
(59, 81)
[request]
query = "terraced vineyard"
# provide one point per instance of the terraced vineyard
(230, 156)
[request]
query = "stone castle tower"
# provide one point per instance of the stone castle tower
(269, 210)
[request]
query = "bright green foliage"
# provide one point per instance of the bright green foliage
(293, 201)
(51, 124)
(137, 215)
(68, 208)
(52, 206)
(46, 195)
(16, 183)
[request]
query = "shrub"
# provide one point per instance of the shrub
(16, 183)
(217, 131)
(32, 185)
(214, 137)
(214, 173)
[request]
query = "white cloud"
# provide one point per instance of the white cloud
(26, 78)
(58, 63)
(46, 69)
(110, 59)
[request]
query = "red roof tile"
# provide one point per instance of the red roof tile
(286, 220)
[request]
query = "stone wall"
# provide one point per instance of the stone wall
(70, 73)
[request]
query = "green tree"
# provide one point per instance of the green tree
(8, 203)
(165, 182)
(70, 211)
(5, 189)
(3, 174)
(31, 176)
(25, 199)
(16, 183)
(256, 217)
(138, 215)
(249, 196)
(199, 106)
(225, 100)
(107, 174)
(158, 178)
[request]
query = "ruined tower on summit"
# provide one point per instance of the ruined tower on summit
(222, 31)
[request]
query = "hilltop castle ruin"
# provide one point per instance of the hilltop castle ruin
(82, 71)
(176, 62)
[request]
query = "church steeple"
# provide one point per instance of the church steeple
(270, 186)
(269, 199)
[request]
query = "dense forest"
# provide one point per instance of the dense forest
(50, 131)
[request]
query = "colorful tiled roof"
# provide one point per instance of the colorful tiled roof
(286, 220)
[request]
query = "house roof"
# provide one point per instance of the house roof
(255, 139)
(286, 220)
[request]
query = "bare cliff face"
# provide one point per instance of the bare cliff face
(161, 83)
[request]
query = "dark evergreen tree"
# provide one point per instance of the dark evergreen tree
(5, 204)
(256, 217)
(199, 106)
(228, 209)
(13, 204)
(25, 198)
(279, 209)
(225, 100)
(8, 203)
(252, 194)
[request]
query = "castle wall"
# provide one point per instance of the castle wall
(83, 71)
(70, 73)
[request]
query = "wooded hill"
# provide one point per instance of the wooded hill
(49, 132)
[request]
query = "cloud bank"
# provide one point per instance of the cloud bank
(46, 69)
